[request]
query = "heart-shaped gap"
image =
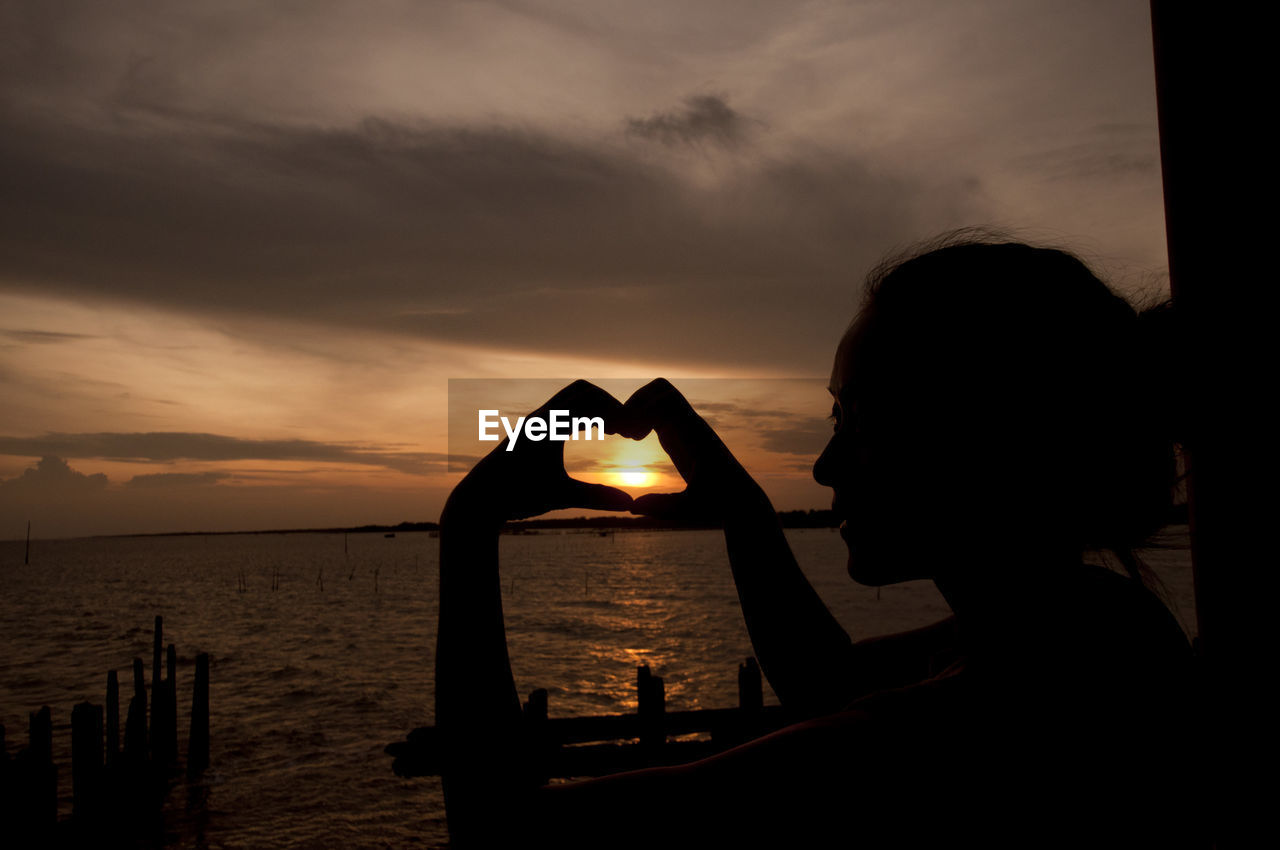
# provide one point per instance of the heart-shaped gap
(634, 466)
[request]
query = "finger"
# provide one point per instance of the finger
(600, 497)
(656, 403)
(684, 434)
(665, 506)
(585, 399)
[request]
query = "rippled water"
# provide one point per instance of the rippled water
(310, 681)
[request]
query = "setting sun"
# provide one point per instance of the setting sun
(634, 477)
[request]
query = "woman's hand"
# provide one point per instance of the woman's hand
(716, 484)
(531, 479)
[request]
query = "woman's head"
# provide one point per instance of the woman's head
(989, 395)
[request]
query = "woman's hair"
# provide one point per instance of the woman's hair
(1043, 368)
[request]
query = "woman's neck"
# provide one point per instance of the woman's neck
(1006, 596)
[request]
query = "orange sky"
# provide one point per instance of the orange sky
(242, 255)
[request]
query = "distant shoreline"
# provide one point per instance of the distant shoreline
(812, 518)
(788, 519)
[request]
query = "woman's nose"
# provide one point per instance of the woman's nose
(824, 467)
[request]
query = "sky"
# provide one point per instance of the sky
(244, 246)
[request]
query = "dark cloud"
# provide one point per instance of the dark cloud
(779, 431)
(165, 447)
(806, 438)
(495, 236)
(1109, 151)
(53, 476)
(705, 118)
(177, 479)
(40, 337)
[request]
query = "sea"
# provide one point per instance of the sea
(322, 650)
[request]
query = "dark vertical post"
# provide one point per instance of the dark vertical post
(26, 557)
(113, 717)
(651, 696)
(198, 743)
(1211, 93)
(750, 687)
(537, 745)
(44, 778)
(535, 709)
(135, 725)
(86, 758)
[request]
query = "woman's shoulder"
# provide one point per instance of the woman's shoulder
(1123, 619)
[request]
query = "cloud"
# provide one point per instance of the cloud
(1112, 151)
(177, 479)
(59, 501)
(498, 236)
(164, 447)
(805, 438)
(53, 476)
(36, 337)
(704, 118)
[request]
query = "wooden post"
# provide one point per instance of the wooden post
(113, 717)
(43, 781)
(750, 687)
(537, 744)
(26, 557)
(651, 696)
(86, 759)
(135, 725)
(198, 743)
(1216, 273)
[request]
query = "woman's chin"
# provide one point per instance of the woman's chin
(859, 572)
(875, 569)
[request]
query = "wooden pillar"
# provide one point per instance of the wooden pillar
(1212, 108)
(652, 698)
(750, 687)
(537, 744)
(86, 759)
(42, 779)
(113, 718)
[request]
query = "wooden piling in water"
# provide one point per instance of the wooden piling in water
(198, 742)
(652, 705)
(113, 718)
(86, 759)
(41, 783)
(750, 687)
(537, 742)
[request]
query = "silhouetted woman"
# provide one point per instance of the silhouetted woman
(992, 424)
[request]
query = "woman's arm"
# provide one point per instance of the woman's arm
(802, 649)
(478, 711)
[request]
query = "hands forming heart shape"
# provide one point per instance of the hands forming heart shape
(532, 480)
